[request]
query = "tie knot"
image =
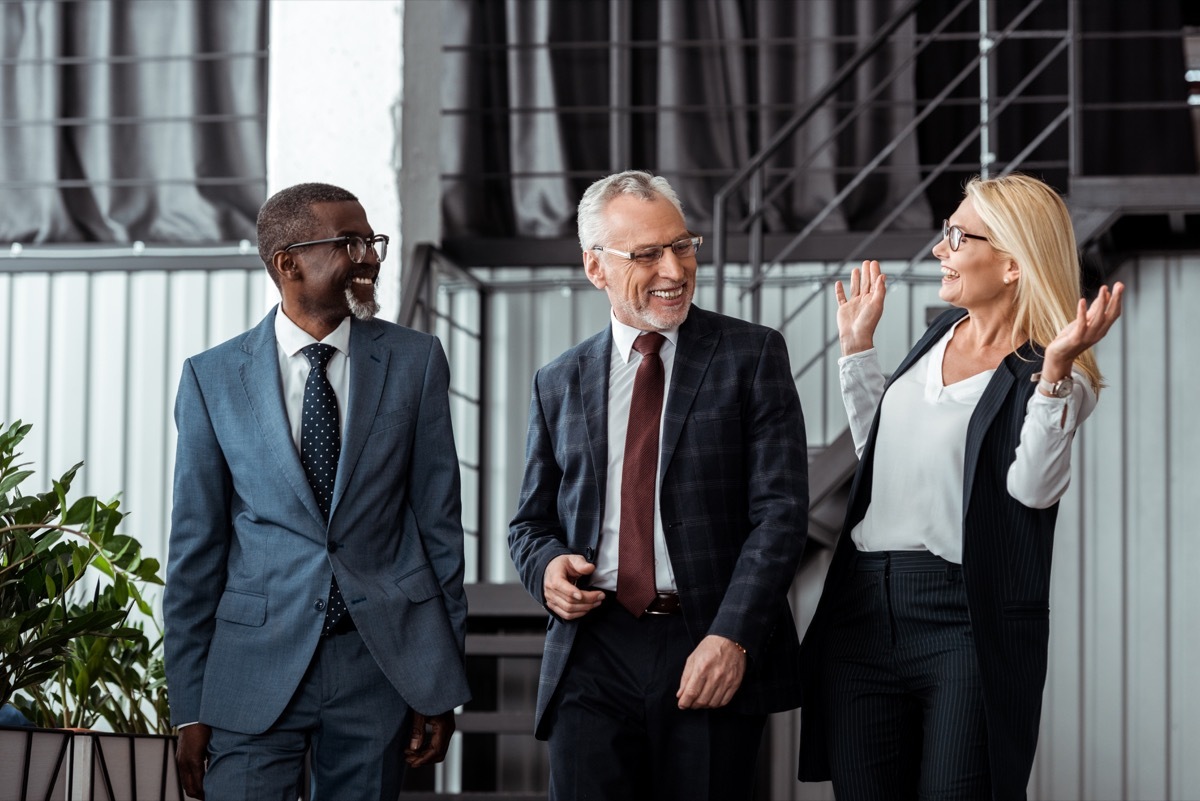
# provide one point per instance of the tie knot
(649, 343)
(318, 354)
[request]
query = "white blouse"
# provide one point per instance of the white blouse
(917, 485)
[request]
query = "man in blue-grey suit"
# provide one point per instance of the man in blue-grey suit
(314, 601)
(661, 521)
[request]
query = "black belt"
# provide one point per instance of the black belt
(664, 603)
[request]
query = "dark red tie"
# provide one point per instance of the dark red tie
(635, 568)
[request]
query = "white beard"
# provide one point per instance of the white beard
(363, 311)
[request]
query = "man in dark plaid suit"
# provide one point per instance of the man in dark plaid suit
(669, 700)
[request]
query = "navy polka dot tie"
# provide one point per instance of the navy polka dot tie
(320, 444)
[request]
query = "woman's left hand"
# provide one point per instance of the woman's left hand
(1090, 325)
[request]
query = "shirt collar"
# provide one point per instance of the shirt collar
(623, 336)
(292, 338)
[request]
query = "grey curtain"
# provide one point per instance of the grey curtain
(132, 120)
(529, 86)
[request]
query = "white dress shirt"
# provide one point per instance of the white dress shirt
(918, 477)
(294, 368)
(621, 371)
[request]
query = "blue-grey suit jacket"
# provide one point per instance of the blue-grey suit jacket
(250, 552)
(734, 497)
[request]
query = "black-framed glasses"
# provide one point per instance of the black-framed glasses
(955, 235)
(682, 248)
(356, 246)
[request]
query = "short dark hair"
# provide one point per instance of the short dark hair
(287, 217)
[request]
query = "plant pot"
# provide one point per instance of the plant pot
(66, 765)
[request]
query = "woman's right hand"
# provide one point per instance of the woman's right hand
(858, 314)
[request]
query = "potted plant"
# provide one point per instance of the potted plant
(70, 656)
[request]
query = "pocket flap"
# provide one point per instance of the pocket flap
(245, 608)
(419, 585)
(391, 419)
(1027, 611)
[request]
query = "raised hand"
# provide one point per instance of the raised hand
(1090, 325)
(858, 314)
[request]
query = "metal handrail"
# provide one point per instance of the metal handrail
(938, 169)
(865, 171)
(800, 118)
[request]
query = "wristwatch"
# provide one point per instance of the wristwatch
(1057, 389)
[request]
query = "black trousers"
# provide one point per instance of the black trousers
(905, 704)
(616, 732)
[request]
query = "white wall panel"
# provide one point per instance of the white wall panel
(93, 361)
(1121, 703)
(1180, 392)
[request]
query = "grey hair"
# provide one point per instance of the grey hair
(590, 214)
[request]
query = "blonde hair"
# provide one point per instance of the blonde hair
(1028, 222)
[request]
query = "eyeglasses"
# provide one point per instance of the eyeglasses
(956, 235)
(356, 246)
(682, 248)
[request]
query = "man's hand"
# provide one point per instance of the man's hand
(563, 598)
(191, 756)
(430, 738)
(713, 673)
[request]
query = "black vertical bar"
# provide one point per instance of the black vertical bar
(1074, 91)
(755, 252)
(619, 70)
(484, 452)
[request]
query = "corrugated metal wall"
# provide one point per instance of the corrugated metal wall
(92, 359)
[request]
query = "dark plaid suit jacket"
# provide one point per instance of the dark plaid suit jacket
(1006, 571)
(734, 495)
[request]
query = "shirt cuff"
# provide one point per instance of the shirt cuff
(854, 357)
(1048, 412)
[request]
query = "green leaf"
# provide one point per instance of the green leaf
(13, 479)
(102, 564)
(79, 512)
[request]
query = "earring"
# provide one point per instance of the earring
(1007, 282)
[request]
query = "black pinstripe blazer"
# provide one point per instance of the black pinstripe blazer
(734, 495)
(1006, 570)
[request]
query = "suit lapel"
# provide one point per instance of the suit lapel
(264, 391)
(981, 420)
(693, 353)
(1015, 367)
(368, 374)
(593, 365)
(860, 488)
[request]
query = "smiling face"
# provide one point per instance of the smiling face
(320, 284)
(973, 276)
(653, 297)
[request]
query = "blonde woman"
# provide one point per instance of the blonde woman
(926, 658)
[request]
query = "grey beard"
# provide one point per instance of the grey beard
(363, 311)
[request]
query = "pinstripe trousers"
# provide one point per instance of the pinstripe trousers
(904, 703)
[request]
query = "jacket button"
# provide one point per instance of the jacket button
(319, 605)
(332, 546)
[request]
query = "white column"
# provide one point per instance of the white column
(333, 114)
